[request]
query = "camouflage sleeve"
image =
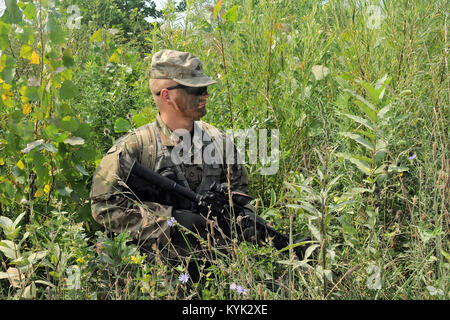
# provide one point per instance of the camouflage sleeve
(112, 203)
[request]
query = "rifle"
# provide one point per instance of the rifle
(216, 203)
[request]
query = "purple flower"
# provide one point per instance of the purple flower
(238, 289)
(412, 157)
(184, 277)
(171, 221)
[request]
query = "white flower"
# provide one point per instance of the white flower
(184, 277)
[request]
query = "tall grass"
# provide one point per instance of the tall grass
(359, 93)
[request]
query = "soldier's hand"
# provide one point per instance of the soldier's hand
(253, 235)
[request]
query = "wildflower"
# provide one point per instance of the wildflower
(80, 260)
(412, 157)
(26, 108)
(134, 260)
(242, 290)
(171, 221)
(238, 289)
(184, 277)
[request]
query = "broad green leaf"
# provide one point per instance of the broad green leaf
(50, 131)
(362, 165)
(81, 170)
(96, 36)
(367, 134)
(67, 58)
(122, 125)
(381, 178)
(310, 208)
(64, 191)
(381, 92)
(18, 219)
(314, 231)
(380, 169)
(39, 166)
(310, 250)
(394, 168)
(333, 182)
(29, 11)
(50, 147)
(68, 90)
(55, 31)
(35, 256)
(294, 245)
(30, 291)
(69, 123)
(336, 207)
(365, 105)
(4, 275)
(45, 283)
(6, 223)
(383, 111)
(7, 75)
(371, 91)
(32, 93)
(367, 110)
(140, 120)
(12, 14)
(379, 156)
(358, 139)
(15, 276)
(231, 14)
(303, 187)
(360, 120)
(9, 249)
(383, 82)
(25, 52)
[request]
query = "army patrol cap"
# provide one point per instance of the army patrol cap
(182, 67)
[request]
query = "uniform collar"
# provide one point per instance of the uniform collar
(166, 133)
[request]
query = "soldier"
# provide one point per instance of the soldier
(180, 90)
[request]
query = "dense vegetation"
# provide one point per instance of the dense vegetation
(357, 89)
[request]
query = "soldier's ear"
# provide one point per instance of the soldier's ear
(165, 95)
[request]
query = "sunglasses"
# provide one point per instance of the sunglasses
(198, 91)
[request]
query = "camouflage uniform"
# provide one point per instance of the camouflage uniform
(115, 206)
(121, 203)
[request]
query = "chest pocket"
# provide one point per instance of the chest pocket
(211, 174)
(193, 174)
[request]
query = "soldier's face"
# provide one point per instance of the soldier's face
(191, 105)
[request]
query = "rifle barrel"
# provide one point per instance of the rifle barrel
(163, 182)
